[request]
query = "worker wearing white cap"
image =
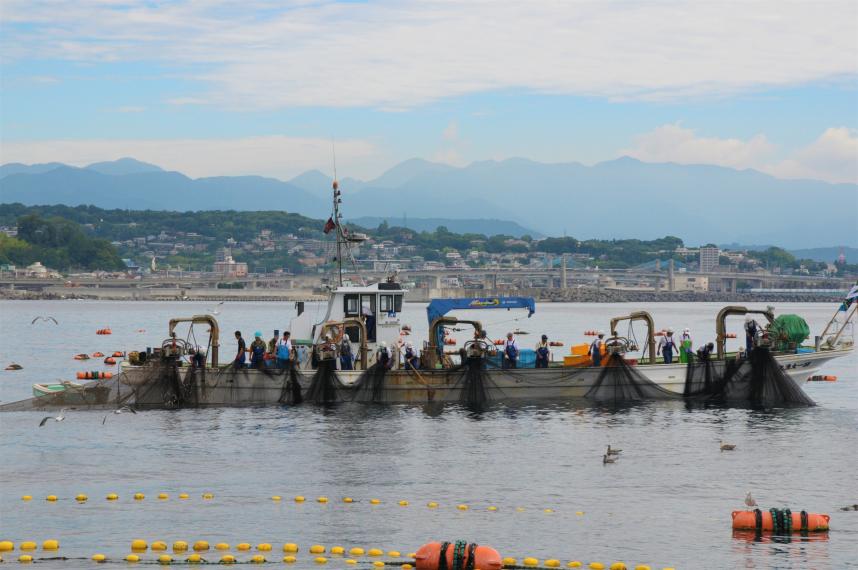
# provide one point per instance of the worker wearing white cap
(666, 346)
(685, 350)
(596, 349)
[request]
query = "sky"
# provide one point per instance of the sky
(210, 87)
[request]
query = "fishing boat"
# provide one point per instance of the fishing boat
(174, 375)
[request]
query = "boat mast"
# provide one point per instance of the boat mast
(338, 228)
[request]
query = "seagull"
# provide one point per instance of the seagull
(214, 311)
(119, 411)
(46, 319)
(613, 451)
(58, 418)
(749, 500)
(606, 459)
(726, 446)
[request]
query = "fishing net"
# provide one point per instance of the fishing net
(619, 382)
(325, 387)
(472, 383)
(291, 391)
(370, 386)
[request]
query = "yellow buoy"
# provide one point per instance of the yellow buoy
(412, 555)
(243, 546)
(49, 498)
(184, 496)
(299, 499)
(618, 566)
(263, 547)
(406, 567)
(112, 496)
(357, 551)
(276, 498)
(139, 496)
(493, 508)
(201, 546)
(163, 496)
(99, 557)
(509, 561)
(348, 500)
(642, 567)
(338, 550)
(549, 511)
(51, 544)
(27, 497)
(159, 545)
(28, 545)
(351, 561)
(165, 559)
(194, 559)
(81, 498)
(25, 558)
(289, 559)
(7, 546)
(227, 559)
(322, 499)
(519, 509)
(530, 562)
(374, 552)
(552, 563)
(374, 502)
(317, 549)
(432, 505)
(221, 546)
(257, 559)
(132, 558)
(139, 544)
(208, 496)
(579, 513)
(320, 560)
(403, 503)
(290, 547)
(394, 554)
(378, 564)
(597, 566)
(575, 564)
(180, 546)
(462, 507)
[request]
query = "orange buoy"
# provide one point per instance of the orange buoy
(555, 343)
(110, 360)
(826, 378)
(730, 335)
(801, 521)
(104, 331)
(81, 356)
(97, 354)
(449, 341)
(81, 375)
(107, 375)
(118, 354)
(499, 342)
(428, 556)
(590, 333)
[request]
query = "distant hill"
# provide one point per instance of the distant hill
(138, 186)
(828, 254)
(18, 168)
(622, 198)
(476, 226)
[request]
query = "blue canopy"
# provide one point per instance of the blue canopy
(440, 307)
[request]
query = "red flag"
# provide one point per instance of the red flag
(329, 225)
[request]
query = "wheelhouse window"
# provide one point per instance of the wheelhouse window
(397, 303)
(385, 303)
(351, 308)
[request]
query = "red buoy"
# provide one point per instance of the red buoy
(810, 522)
(428, 557)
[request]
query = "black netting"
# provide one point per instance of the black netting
(471, 381)
(619, 382)
(291, 391)
(370, 386)
(325, 386)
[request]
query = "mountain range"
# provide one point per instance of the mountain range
(622, 198)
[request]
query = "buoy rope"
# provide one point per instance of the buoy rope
(472, 556)
(442, 556)
(803, 521)
(788, 517)
(758, 520)
(459, 554)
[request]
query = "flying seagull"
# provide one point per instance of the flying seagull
(215, 311)
(46, 319)
(58, 418)
(119, 411)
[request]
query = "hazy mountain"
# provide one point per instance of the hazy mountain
(476, 226)
(18, 168)
(828, 254)
(622, 198)
(157, 190)
(123, 166)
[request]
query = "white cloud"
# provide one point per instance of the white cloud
(399, 54)
(673, 143)
(276, 156)
(832, 157)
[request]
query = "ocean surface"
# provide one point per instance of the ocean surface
(665, 503)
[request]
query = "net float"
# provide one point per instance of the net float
(780, 520)
(457, 556)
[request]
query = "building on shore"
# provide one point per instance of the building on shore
(709, 258)
(230, 268)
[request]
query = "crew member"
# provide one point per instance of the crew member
(686, 353)
(346, 361)
(666, 346)
(412, 361)
(704, 352)
(595, 351)
(257, 351)
(272, 344)
(383, 357)
(510, 351)
(543, 352)
(751, 328)
(240, 356)
(283, 350)
(328, 349)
